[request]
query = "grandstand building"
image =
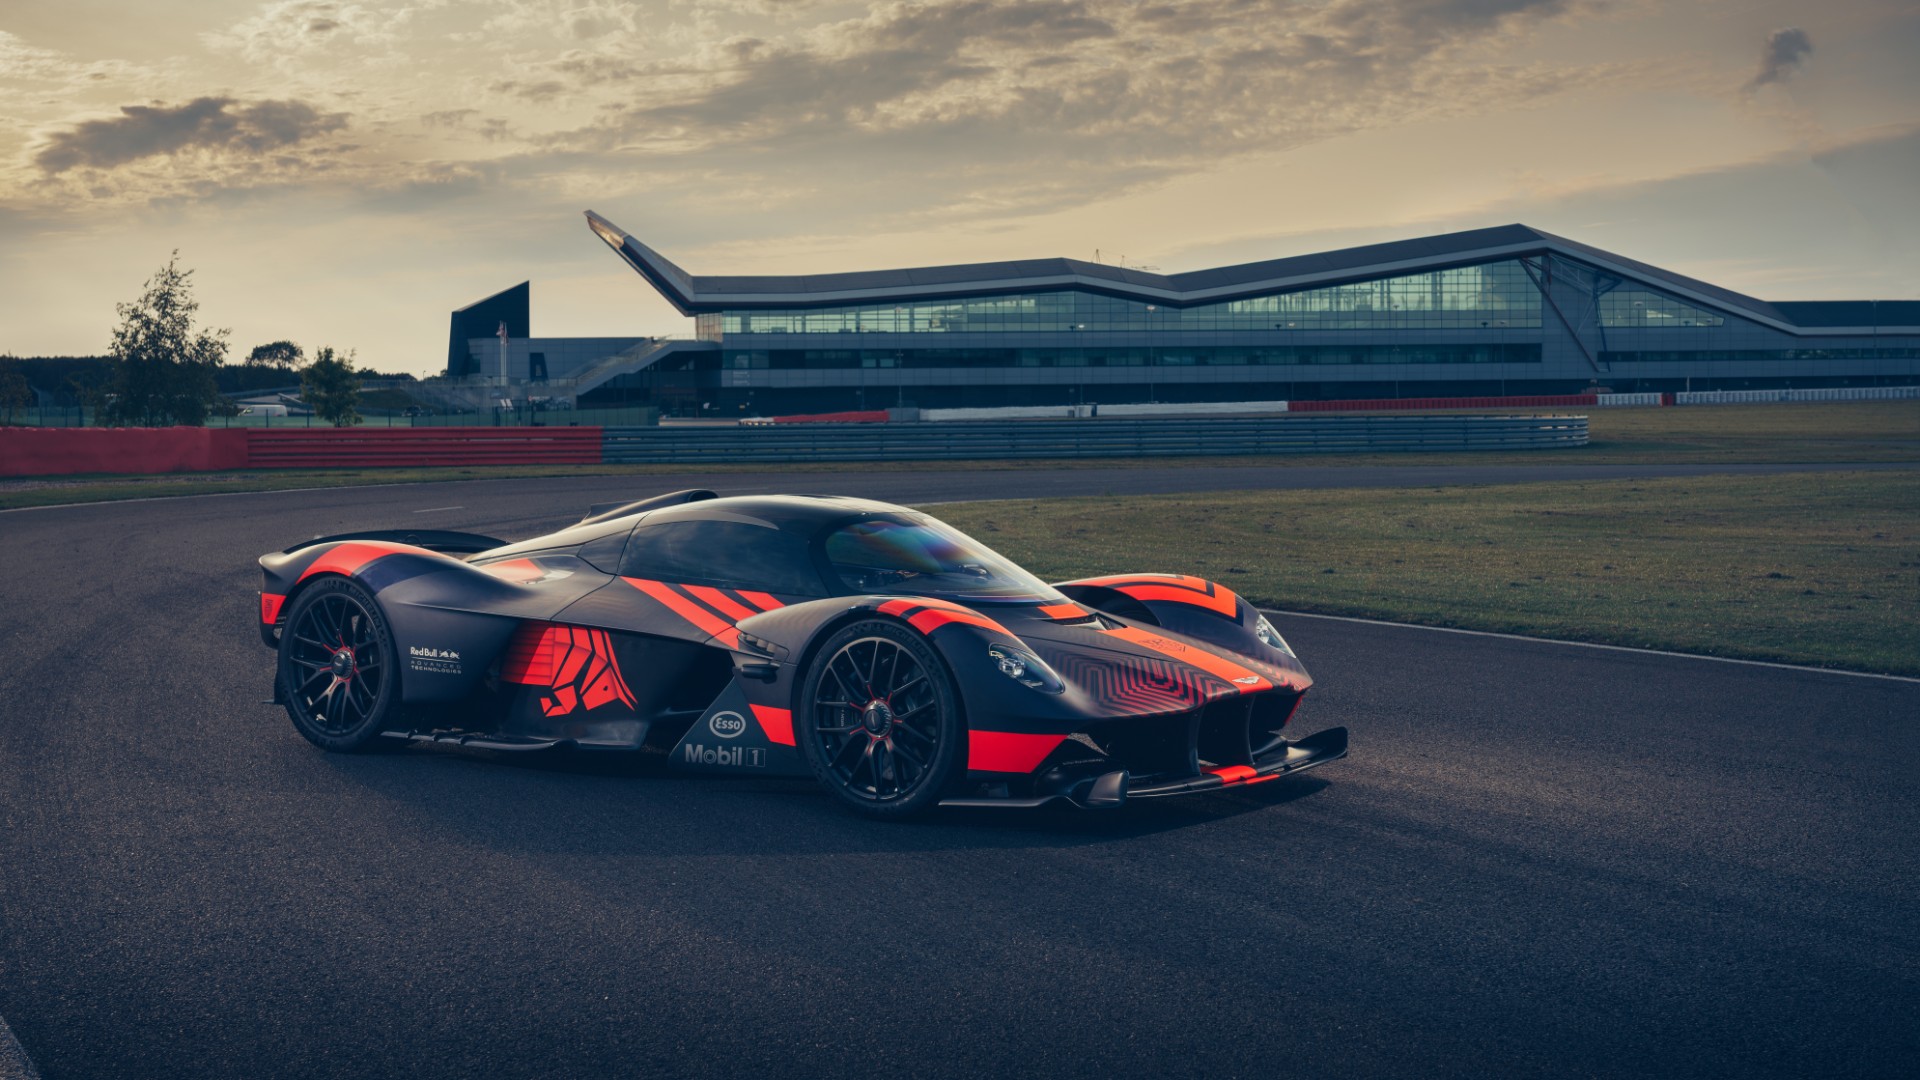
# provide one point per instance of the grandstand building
(1506, 310)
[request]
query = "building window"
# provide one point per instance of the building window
(1640, 309)
(1497, 294)
(1184, 357)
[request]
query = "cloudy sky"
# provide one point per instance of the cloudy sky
(346, 173)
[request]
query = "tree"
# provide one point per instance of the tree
(163, 366)
(331, 387)
(281, 354)
(14, 391)
(89, 388)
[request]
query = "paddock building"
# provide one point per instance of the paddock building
(1505, 310)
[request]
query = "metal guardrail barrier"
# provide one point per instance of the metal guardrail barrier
(1750, 397)
(1530, 401)
(974, 441)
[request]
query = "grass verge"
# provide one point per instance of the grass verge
(1820, 569)
(1850, 432)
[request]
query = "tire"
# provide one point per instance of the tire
(338, 672)
(879, 722)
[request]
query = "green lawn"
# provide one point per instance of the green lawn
(1819, 569)
(1841, 431)
(1809, 568)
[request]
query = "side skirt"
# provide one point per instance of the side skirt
(479, 741)
(730, 738)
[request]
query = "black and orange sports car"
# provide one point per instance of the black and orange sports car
(872, 647)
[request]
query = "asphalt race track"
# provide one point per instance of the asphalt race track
(1540, 860)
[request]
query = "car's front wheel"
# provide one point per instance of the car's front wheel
(880, 723)
(338, 672)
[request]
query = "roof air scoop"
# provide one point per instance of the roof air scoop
(599, 512)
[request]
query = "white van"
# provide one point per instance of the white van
(263, 410)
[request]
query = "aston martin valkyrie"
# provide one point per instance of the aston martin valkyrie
(894, 659)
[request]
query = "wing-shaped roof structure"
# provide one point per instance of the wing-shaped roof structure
(697, 293)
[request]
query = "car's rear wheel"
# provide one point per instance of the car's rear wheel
(339, 676)
(880, 723)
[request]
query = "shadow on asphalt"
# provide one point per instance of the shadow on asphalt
(600, 804)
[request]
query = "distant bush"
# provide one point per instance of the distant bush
(331, 388)
(162, 366)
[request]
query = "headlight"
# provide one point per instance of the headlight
(1025, 668)
(1269, 636)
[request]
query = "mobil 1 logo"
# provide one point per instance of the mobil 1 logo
(749, 757)
(731, 738)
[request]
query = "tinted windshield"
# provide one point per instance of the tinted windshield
(731, 554)
(923, 557)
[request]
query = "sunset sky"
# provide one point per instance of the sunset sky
(345, 173)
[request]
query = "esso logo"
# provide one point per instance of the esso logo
(728, 725)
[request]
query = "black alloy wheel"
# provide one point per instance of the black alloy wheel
(881, 724)
(338, 672)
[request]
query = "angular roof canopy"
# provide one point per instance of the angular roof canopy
(695, 294)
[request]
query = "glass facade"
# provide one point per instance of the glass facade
(1643, 310)
(1542, 323)
(1486, 328)
(1210, 355)
(1490, 295)
(1742, 356)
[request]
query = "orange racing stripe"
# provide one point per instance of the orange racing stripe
(720, 602)
(938, 613)
(352, 555)
(700, 617)
(1240, 678)
(519, 570)
(1174, 588)
(777, 723)
(1220, 600)
(928, 621)
(1008, 751)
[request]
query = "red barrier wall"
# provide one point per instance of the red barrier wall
(870, 416)
(1383, 404)
(28, 451)
(65, 451)
(322, 448)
